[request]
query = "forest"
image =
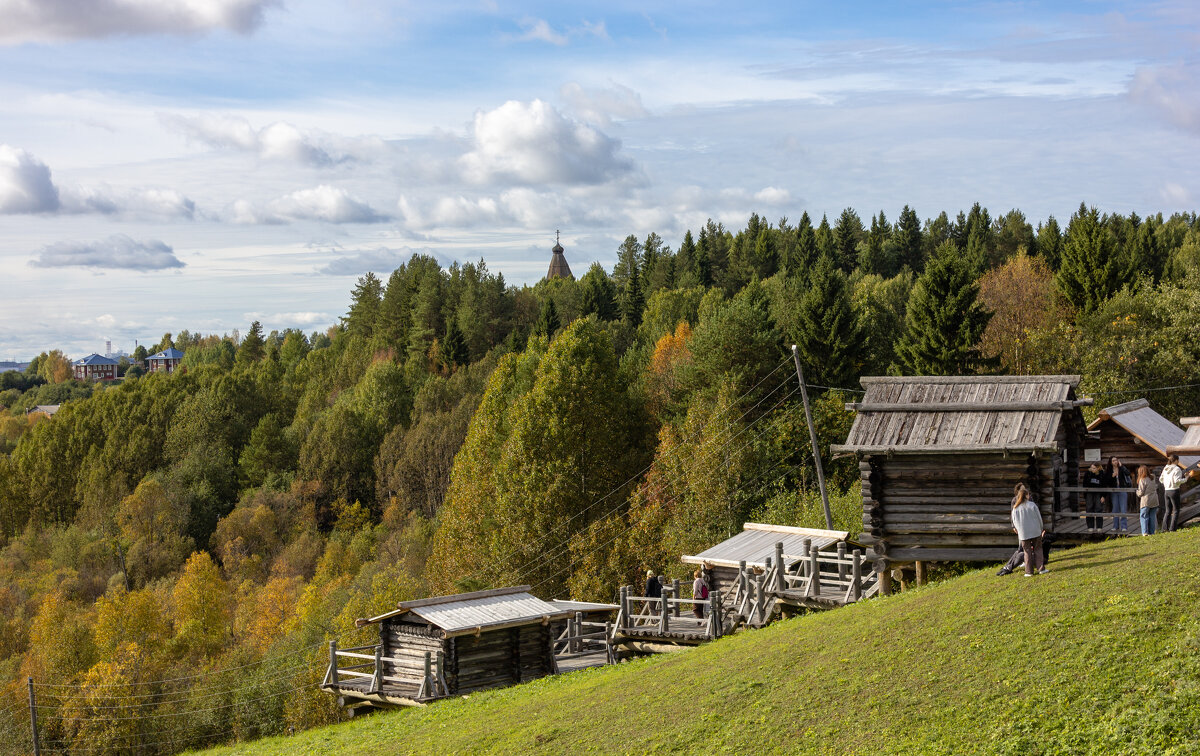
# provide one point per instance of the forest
(176, 549)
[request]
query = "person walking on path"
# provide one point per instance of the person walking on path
(1027, 522)
(699, 593)
(1171, 479)
(1094, 478)
(1147, 493)
(1119, 477)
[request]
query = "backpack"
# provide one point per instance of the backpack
(704, 590)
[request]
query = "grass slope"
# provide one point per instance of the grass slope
(1100, 656)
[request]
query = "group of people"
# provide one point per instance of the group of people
(1151, 509)
(700, 589)
(1034, 550)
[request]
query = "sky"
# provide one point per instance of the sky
(201, 164)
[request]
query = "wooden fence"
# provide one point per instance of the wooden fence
(429, 685)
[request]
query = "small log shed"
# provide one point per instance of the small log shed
(754, 545)
(488, 639)
(939, 457)
(1136, 434)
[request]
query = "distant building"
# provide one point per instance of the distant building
(96, 367)
(48, 410)
(165, 361)
(558, 262)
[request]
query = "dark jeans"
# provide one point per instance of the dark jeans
(1032, 551)
(1170, 510)
(1093, 505)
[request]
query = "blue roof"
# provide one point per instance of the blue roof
(167, 354)
(96, 359)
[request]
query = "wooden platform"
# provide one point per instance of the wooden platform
(392, 694)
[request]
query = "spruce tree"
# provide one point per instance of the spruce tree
(907, 236)
(633, 300)
(686, 272)
(944, 319)
(251, 348)
(1092, 268)
(825, 330)
(364, 307)
(599, 294)
(454, 346)
(806, 247)
(846, 235)
(1049, 243)
(548, 322)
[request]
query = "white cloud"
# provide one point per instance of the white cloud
(537, 29)
(773, 195)
(118, 251)
(1176, 195)
(47, 20)
(140, 202)
(1172, 90)
(381, 260)
(289, 319)
(276, 141)
(25, 184)
(602, 106)
(532, 143)
(321, 203)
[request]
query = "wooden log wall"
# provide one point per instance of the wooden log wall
(407, 644)
(498, 658)
(723, 579)
(1115, 441)
(949, 502)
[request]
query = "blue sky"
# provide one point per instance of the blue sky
(199, 164)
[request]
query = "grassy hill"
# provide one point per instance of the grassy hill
(1100, 656)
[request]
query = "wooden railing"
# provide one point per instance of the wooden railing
(582, 637)
(662, 613)
(432, 684)
(1077, 494)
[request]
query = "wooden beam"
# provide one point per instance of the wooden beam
(817, 532)
(888, 379)
(1049, 446)
(968, 406)
(967, 554)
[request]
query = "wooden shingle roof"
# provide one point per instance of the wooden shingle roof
(1154, 430)
(946, 414)
(467, 613)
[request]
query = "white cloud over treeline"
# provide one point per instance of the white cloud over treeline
(50, 20)
(116, 252)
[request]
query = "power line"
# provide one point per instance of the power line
(187, 712)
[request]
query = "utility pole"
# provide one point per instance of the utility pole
(812, 434)
(37, 746)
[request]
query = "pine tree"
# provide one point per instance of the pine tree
(944, 320)
(454, 346)
(1092, 268)
(826, 331)
(364, 307)
(395, 312)
(548, 322)
(907, 236)
(251, 348)
(629, 254)
(599, 295)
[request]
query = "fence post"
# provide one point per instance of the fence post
(814, 579)
(841, 551)
(856, 576)
(427, 686)
(780, 585)
(37, 745)
(578, 631)
(664, 621)
(608, 645)
(439, 681)
(377, 680)
(331, 675)
(718, 610)
(676, 593)
(742, 585)
(624, 612)
(760, 598)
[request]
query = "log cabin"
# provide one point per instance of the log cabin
(939, 457)
(1134, 433)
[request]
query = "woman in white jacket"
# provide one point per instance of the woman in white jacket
(1171, 479)
(1027, 522)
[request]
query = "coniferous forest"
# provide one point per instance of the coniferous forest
(175, 550)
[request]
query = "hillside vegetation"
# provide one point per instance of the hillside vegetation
(1100, 656)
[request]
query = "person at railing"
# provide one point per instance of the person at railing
(1117, 475)
(1027, 523)
(699, 593)
(1094, 478)
(1147, 493)
(1171, 478)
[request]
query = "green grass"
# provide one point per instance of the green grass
(1102, 656)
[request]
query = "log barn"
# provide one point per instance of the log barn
(1136, 434)
(939, 457)
(450, 645)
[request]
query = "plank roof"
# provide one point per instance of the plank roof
(1154, 430)
(465, 613)
(1019, 413)
(757, 541)
(1189, 444)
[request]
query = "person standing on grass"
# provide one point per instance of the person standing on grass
(1027, 522)
(1172, 479)
(699, 593)
(1119, 477)
(1147, 493)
